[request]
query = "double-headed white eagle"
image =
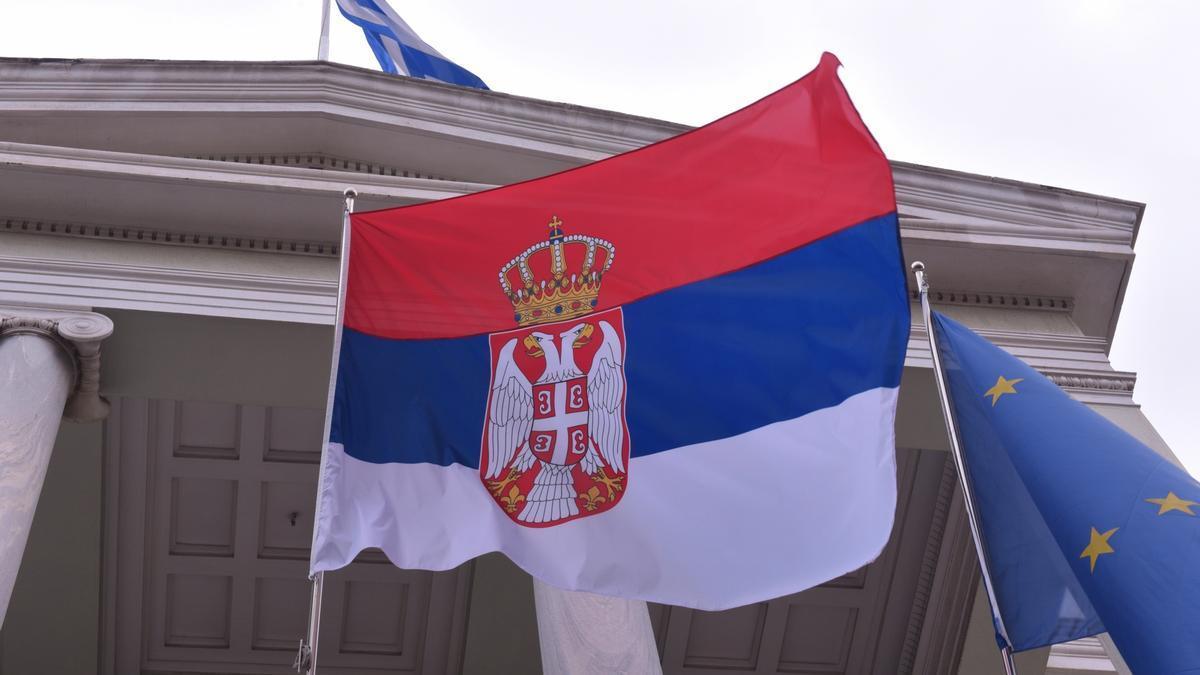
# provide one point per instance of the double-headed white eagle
(512, 411)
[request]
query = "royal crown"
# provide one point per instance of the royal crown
(576, 265)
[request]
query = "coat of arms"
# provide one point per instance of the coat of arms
(556, 446)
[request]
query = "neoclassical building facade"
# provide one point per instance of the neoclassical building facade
(168, 264)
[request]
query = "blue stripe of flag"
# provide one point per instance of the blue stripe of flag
(709, 360)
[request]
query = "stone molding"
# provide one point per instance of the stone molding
(1077, 364)
(951, 591)
(1085, 655)
(998, 300)
(1082, 364)
(280, 86)
(318, 160)
(943, 205)
(60, 160)
(929, 570)
(1048, 214)
(1044, 342)
(79, 333)
(946, 201)
(161, 288)
(1115, 382)
(325, 249)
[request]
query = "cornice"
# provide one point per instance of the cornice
(167, 289)
(947, 201)
(320, 86)
(1005, 207)
(297, 173)
(161, 168)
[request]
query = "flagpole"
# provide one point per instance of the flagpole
(918, 268)
(306, 656)
(323, 43)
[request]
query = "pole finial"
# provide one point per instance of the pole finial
(349, 193)
(918, 269)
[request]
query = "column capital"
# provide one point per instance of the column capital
(80, 333)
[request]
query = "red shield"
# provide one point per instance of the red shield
(552, 386)
(560, 421)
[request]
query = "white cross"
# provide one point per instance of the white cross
(560, 423)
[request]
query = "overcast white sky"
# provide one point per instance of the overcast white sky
(1096, 95)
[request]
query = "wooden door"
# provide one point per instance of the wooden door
(208, 522)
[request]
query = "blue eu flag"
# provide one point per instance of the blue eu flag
(1085, 528)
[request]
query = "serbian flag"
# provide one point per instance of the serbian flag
(667, 375)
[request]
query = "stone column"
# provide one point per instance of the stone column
(585, 634)
(49, 368)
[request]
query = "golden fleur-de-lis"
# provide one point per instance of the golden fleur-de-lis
(498, 486)
(512, 499)
(592, 498)
(613, 483)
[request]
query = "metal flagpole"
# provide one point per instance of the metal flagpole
(956, 451)
(323, 44)
(306, 656)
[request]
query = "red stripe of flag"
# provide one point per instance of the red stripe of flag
(789, 169)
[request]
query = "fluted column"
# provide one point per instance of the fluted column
(586, 634)
(49, 367)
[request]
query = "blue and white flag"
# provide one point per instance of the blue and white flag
(398, 47)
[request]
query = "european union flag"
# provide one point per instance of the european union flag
(1085, 528)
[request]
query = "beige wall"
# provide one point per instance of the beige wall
(502, 635)
(52, 624)
(198, 358)
(1133, 421)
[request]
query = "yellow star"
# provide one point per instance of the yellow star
(1001, 388)
(1173, 503)
(1098, 546)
